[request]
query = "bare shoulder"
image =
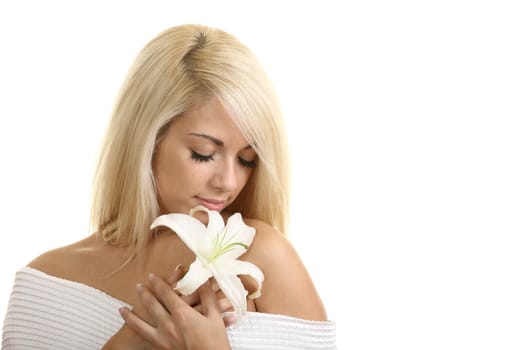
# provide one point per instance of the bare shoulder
(270, 247)
(73, 261)
(267, 237)
(287, 288)
(54, 260)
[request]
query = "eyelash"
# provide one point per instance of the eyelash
(200, 158)
(247, 163)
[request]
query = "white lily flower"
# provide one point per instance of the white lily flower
(216, 248)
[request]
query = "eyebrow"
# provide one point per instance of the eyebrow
(213, 139)
(208, 137)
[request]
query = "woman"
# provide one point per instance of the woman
(196, 123)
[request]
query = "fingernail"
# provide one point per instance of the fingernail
(122, 311)
(139, 287)
(151, 276)
(230, 321)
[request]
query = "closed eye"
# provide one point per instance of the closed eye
(247, 163)
(201, 157)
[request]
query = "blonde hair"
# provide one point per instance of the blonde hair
(172, 74)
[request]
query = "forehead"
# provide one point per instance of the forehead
(211, 118)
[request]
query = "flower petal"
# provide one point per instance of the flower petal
(215, 220)
(197, 274)
(239, 267)
(190, 230)
(236, 226)
(236, 232)
(233, 289)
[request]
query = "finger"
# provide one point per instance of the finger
(138, 325)
(229, 320)
(214, 285)
(210, 305)
(192, 299)
(176, 275)
(165, 293)
(152, 306)
(224, 305)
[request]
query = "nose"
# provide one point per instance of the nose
(226, 179)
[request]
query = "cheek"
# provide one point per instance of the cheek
(188, 176)
(178, 176)
(171, 180)
(245, 177)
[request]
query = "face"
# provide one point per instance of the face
(202, 160)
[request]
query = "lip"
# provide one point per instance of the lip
(212, 204)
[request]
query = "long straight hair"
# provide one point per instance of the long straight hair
(175, 72)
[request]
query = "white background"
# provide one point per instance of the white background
(406, 128)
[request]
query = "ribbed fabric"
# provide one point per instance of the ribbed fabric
(46, 312)
(279, 332)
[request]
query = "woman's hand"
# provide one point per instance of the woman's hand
(175, 324)
(194, 299)
(128, 339)
(125, 338)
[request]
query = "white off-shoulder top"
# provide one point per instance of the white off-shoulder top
(47, 312)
